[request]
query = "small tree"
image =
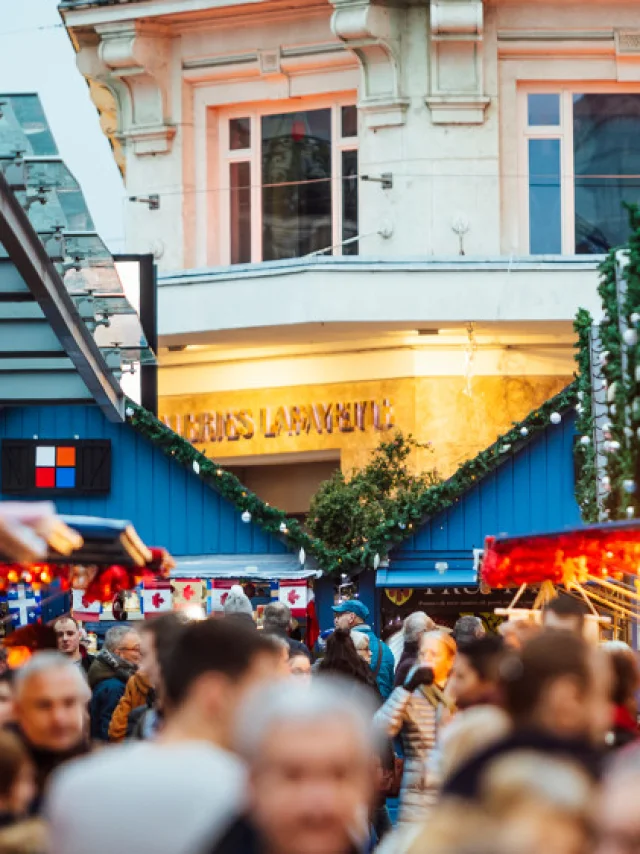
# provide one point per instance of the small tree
(356, 513)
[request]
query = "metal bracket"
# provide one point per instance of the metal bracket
(385, 180)
(152, 200)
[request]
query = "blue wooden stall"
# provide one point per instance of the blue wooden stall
(168, 504)
(532, 491)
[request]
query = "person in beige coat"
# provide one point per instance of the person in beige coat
(416, 712)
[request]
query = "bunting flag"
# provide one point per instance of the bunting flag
(313, 626)
(218, 593)
(155, 598)
(24, 604)
(188, 592)
(295, 594)
(85, 611)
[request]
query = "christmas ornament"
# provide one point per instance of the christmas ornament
(585, 440)
(629, 486)
(614, 445)
(611, 392)
(555, 418)
(129, 412)
(376, 561)
(630, 337)
(246, 517)
(283, 527)
(196, 467)
(302, 556)
(524, 431)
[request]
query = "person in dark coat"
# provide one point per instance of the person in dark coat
(353, 614)
(557, 694)
(626, 682)
(51, 694)
(114, 665)
(69, 642)
(277, 621)
(309, 752)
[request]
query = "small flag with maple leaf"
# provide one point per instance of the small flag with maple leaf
(187, 592)
(295, 594)
(155, 598)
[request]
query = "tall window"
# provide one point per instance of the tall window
(583, 159)
(292, 184)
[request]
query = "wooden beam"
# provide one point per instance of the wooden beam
(32, 262)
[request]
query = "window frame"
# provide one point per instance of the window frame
(253, 155)
(564, 133)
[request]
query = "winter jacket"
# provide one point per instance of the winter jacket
(243, 837)
(108, 677)
(46, 762)
(387, 661)
(135, 695)
(407, 660)
(466, 783)
(295, 647)
(415, 718)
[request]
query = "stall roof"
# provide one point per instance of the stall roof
(58, 281)
(253, 567)
(531, 491)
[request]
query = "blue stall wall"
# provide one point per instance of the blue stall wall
(168, 505)
(531, 492)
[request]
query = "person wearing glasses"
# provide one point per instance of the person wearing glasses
(116, 662)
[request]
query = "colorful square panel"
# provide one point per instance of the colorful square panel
(45, 478)
(65, 478)
(65, 457)
(45, 456)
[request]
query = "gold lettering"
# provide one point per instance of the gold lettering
(323, 417)
(361, 411)
(283, 420)
(248, 425)
(300, 419)
(192, 429)
(345, 424)
(387, 415)
(231, 427)
(266, 427)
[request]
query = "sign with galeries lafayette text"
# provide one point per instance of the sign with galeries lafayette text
(271, 422)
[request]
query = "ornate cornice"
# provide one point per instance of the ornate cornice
(133, 61)
(372, 32)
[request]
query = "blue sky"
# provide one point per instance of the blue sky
(36, 56)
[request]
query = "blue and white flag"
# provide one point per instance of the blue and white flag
(24, 604)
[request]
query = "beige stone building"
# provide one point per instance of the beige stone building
(366, 216)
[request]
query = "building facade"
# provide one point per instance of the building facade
(366, 216)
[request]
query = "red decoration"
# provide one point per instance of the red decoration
(603, 551)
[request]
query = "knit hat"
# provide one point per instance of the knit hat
(238, 602)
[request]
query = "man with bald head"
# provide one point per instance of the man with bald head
(51, 696)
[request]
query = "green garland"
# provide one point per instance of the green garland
(622, 390)
(389, 531)
(585, 454)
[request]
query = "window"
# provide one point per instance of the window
(292, 180)
(583, 165)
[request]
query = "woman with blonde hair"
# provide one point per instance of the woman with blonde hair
(415, 712)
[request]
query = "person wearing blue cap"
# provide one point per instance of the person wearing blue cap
(353, 615)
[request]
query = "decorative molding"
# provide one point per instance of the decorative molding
(628, 55)
(372, 32)
(456, 50)
(457, 109)
(133, 61)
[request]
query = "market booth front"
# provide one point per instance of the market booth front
(530, 489)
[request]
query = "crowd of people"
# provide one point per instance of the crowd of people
(214, 737)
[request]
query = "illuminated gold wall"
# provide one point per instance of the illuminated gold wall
(359, 414)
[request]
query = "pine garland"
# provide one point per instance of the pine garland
(585, 454)
(623, 430)
(390, 531)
